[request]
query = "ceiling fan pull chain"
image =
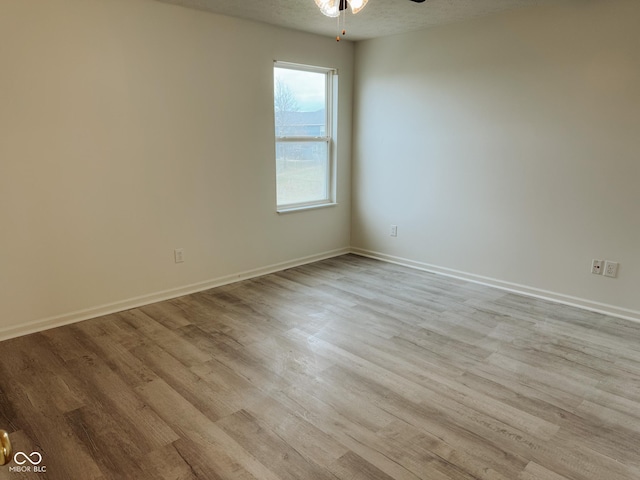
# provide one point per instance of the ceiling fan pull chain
(344, 22)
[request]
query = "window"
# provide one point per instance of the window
(303, 104)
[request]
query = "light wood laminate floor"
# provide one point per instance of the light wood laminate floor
(348, 368)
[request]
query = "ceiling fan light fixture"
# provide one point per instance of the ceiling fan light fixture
(338, 8)
(329, 8)
(332, 8)
(357, 5)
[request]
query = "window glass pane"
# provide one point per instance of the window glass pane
(303, 119)
(302, 172)
(300, 103)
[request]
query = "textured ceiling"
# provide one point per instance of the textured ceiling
(379, 18)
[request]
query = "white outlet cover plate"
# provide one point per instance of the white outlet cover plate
(597, 267)
(610, 269)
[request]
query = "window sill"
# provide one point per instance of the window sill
(305, 207)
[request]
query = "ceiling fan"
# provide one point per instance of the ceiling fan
(356, 5)
(333, 8)
(338, 8)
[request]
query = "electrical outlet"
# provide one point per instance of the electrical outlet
(610, 269)
(394, 231)
(178, 255)
(597, 266)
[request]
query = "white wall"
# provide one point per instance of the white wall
(129, 128)
(507, 147)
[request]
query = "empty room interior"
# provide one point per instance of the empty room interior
(330, 239)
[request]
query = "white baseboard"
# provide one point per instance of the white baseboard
(80, 315)
(583, 303)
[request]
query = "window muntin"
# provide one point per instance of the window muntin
(303, 106)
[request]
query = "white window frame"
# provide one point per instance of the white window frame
(329, 137)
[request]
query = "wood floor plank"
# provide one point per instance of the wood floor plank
(278, 456)
(186, 383)
(212, 445)
(294, 429)
(411, 447)
(167, 463)
(347, 368)
(112, 394)
(533, 471)
(354, 467)
(358, 437)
